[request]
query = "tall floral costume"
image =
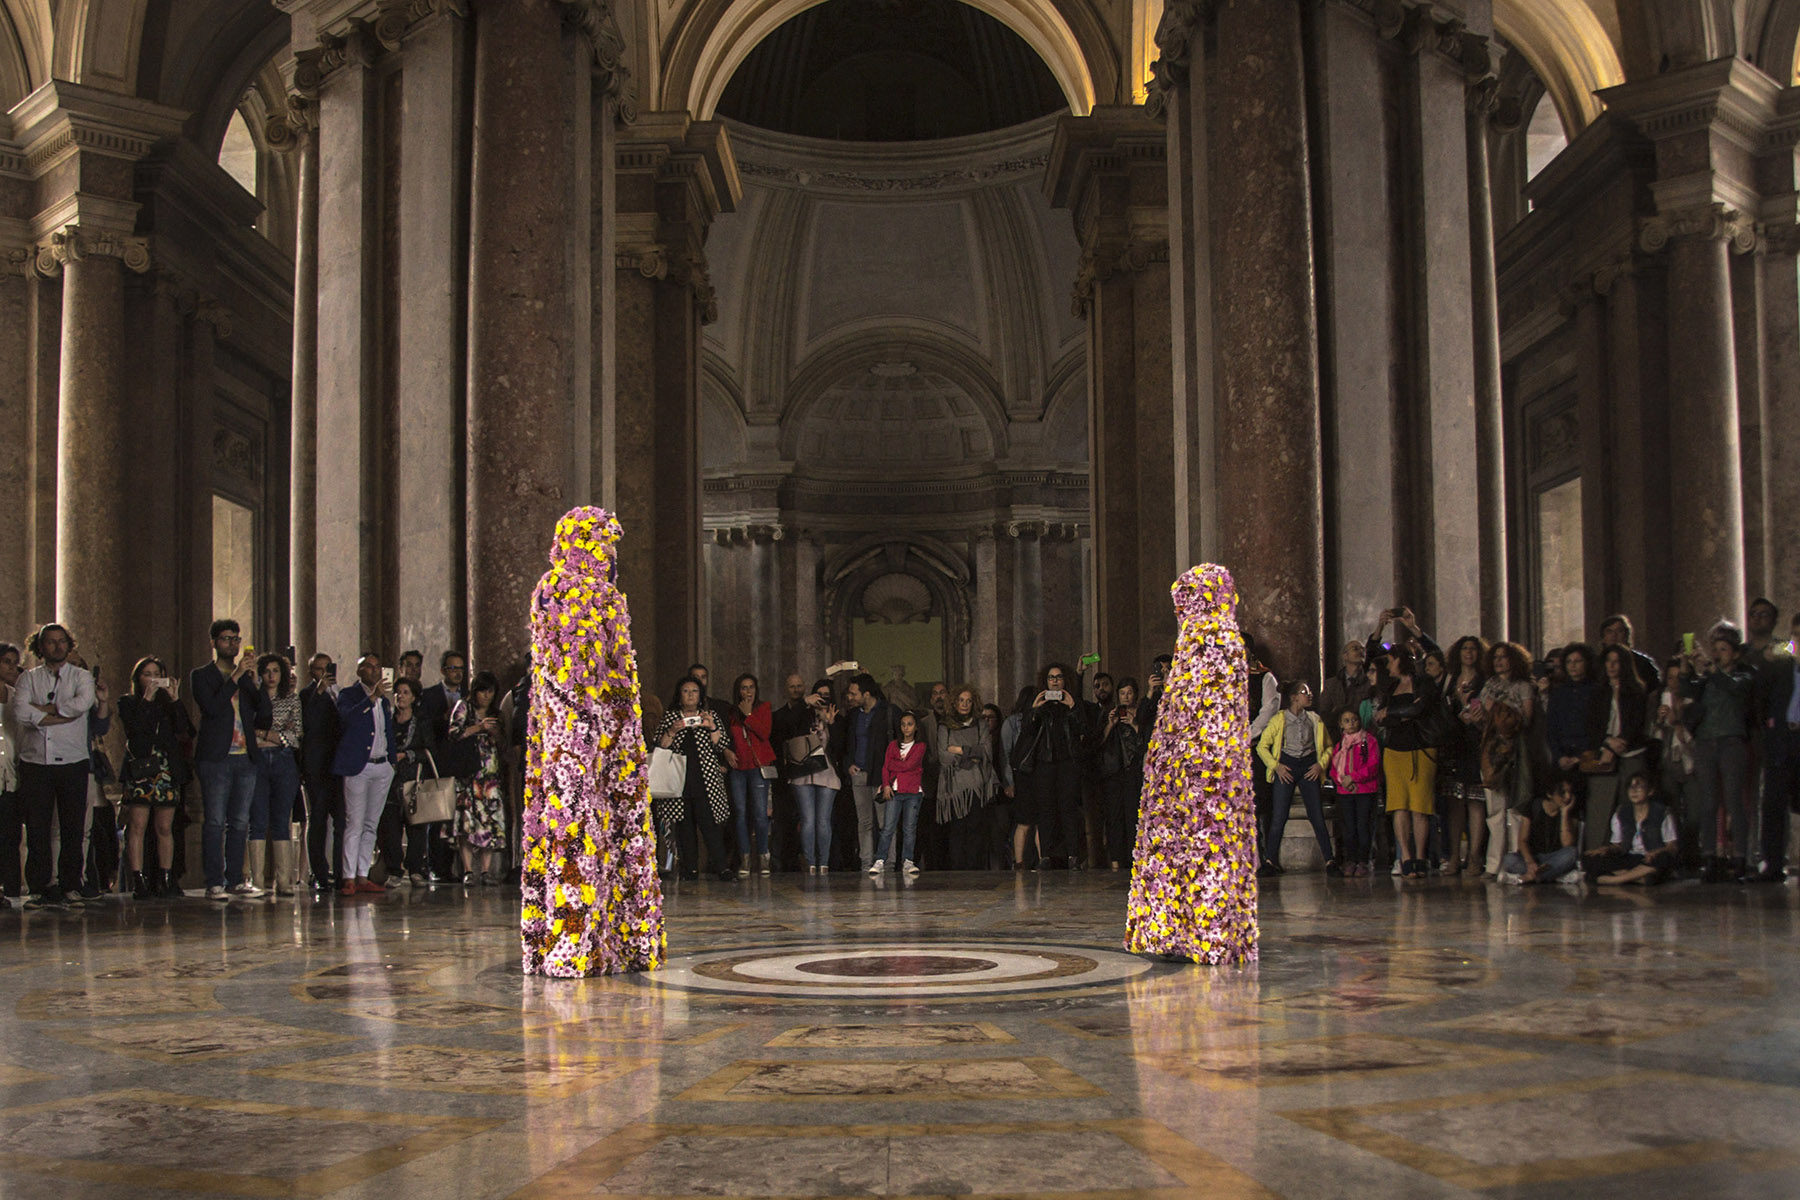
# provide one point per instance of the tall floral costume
(592, 903)
(1193, 888)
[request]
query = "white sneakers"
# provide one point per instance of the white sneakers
(216, 893)
(247, 890)
(878, 866)
(909, 868)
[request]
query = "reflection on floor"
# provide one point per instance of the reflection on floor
(960, 1034)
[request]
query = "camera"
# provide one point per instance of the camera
(692, 720)
(1055, 694)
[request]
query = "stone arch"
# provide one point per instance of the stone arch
(817, 381)
(1568, 48)
(724, 444)
(848, 573)
(99, 43)
(25, 48)
(716, 35)
(1778, 42)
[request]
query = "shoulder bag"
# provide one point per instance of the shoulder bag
(668, 774)
(429, 800)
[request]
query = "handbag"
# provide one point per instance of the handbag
(668, 774)
(769, 772)
(429, 800)
(803, 755)
(1597, 762)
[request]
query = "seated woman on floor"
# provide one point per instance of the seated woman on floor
(1642, 849)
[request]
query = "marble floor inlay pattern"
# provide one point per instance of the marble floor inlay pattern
(976, 1034)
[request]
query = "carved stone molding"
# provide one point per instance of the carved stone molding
(1103, 263)
(1705, 221)
(1781, 239)
(1045, 530)
(747, 533)
(236, 454)
(72, 243)
(599, 24)
(1182, 23)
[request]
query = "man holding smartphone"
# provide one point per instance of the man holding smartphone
(365, 762)
(324, 791)
(232, 707)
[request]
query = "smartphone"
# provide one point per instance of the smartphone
(1687, 643)
(691, 720)
(290, 653)
(331, 670)
(387, 676)
(1088, 660)
(1055, 695)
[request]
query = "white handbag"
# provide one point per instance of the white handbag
(668, 774)
(429, 800)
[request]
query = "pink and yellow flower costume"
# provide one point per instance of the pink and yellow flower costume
(592, 901)
(1193, 886)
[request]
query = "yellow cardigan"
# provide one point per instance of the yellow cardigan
(1268, 746)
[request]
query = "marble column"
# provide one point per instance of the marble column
(428, 502)
(1781, 409)
(1359, 252)
(1445, 574)
(347, 577)
(1110, 169)
(15, 426)
(43, 368)
(1490, 410)
(528, 362)
(1638, 416)
(303, 442)
(1266, 406)
(1705, 479)
(673, 176)
(95, 547)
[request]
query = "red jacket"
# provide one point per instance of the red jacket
(1356, 765)
(904, 773)
(750, 736)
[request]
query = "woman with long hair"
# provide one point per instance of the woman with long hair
(807, 763)
(749, 754)
(1508, 703)
(1410, 702)
(1123, 742)
(1024, 802)
(154, 773)
(966, 777)
(480, 780)
(277, 777)
(1052, 751)
(1462, 801)
(1618, 724)
(691, 728)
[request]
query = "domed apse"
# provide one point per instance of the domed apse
(891, 71)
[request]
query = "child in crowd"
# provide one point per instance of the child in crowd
(1642, 849)
(1356, 773)
(902, 791)
(1548, 837)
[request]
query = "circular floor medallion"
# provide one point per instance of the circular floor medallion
(849, 972)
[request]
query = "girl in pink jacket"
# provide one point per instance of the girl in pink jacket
(1356, 772)
(902, 791)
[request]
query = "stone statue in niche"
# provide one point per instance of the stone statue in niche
(899, 692)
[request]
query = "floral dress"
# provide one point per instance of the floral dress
(481, 798)
(153, 729)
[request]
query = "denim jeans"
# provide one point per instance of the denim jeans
(1359, 824)
(902, 809)
(277, 784)
(1721, 765)
(750, 796)
(227, 789)
(1282, 799)
(1551, 866)
(815, 805)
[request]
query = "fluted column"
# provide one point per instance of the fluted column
(529, 360)
(95, 547)
(1705, 480)
(1490, 413)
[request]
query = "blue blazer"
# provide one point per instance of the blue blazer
(356, 719)
(212, 692)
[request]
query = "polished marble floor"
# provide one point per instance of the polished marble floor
(955, 1035)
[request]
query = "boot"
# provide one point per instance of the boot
(255, 853)
(282, 883)
(168, 886)
(1740, 872)
(140, 886)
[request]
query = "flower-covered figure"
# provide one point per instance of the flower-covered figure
(593, 903)
(1193, 886)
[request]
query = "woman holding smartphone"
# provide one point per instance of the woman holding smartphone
(154, 774)
(691, 728)
(752, 761)
(480, 786)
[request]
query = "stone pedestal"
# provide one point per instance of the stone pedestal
(674, 176)
(529, 385)
(1110, 169)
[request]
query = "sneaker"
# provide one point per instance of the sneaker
(247, 890)
(90, 890)
(217, 892)
(1399, 868)
(878, 867)
(812, 870)
(1511, 877)
(909, 867)
(824, 870)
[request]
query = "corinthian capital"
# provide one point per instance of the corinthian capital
(72, 243)
(1703, 221)
(1178, 33)
(599, 24)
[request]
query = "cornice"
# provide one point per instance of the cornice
(1726, 96)
(62, 119)
(885, 169)
(1112, 138)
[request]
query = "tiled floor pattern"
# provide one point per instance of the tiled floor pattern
(1446, 1040)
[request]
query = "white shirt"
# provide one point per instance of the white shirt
(1271, 702)
(378, 747)
(1623, 820)
(71, 690)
